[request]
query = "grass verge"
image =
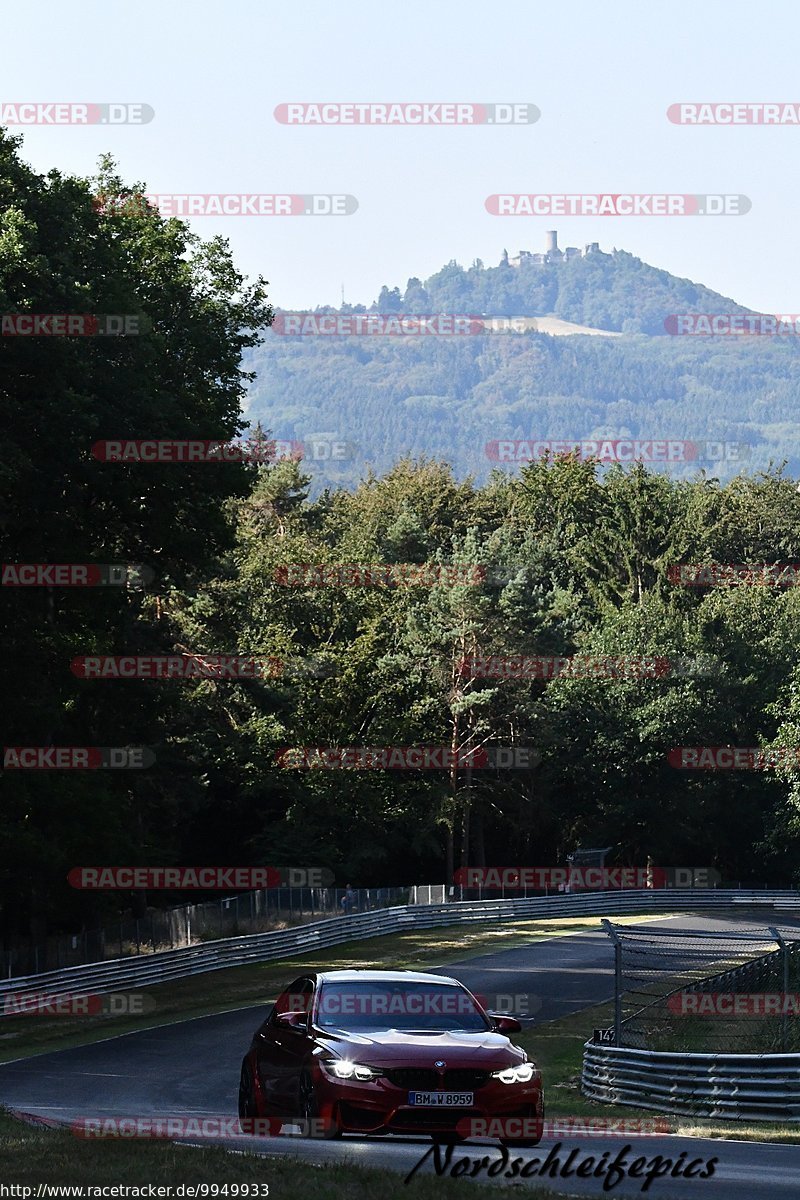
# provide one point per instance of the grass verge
(557, 1047)
(30, 1155)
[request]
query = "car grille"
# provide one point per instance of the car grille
(419, 1079)
(424, 1081)
(465, 1080)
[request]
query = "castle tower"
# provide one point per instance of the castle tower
(552, 242)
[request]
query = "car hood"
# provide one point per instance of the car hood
(395, 1047)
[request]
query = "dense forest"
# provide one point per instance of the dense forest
(578, 561)
(452, 396)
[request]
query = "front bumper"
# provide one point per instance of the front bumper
(379, 1106)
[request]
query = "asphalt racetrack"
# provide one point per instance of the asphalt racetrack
(192, 1069)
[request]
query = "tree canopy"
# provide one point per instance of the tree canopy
(572, 561)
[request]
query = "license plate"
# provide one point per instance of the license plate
(442, 1099)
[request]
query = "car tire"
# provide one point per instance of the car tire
(328, 1128)
(247, 1104)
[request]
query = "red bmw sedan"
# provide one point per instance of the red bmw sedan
(378, 1052)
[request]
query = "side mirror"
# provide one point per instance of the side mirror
(296, 1021)
(505, 1024)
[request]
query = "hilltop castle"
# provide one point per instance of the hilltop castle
(552, 254)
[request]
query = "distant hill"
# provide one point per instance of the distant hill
(450, 397)
(616, 292)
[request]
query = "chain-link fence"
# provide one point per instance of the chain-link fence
(702, 991)
(229, 916)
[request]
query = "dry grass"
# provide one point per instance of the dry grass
(30, 1155)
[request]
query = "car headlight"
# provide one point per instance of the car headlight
(342, 1068)
(524, 1073)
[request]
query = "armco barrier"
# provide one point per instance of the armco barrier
(150, 969)
(744, 1087)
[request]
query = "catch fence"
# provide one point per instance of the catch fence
(699, 991)
(145, 970)
(192, 924)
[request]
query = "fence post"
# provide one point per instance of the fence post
(612, 933)
(785, 959)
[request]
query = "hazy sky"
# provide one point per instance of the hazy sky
(603, 77)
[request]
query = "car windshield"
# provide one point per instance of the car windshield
(430, 1007)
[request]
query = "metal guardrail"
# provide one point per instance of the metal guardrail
(178, 926)
(150, 969)
(744, 1087)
